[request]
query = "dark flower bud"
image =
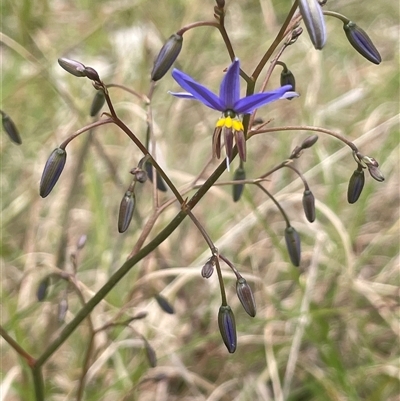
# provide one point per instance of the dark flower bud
(72, 66)
(140, 175)
(150, 354)
(160, 182)
(167, 56)
(126, 208)
(237, 189)
(287, 78)
(140, 315)
(92, 74)
(62, 309)
(359, 39)
(296, 153)
(97, 103)
(227, 327)
(373, 169)
(246, 297)
(164, 304)
(10, 128)
(42, 289)
(309, 141)
(208, 268)
(309, 205)
(295, 35)
(220, 3)
(313, 18)
(356, 185)
(293, 245)
(52, 171)
(376, 174)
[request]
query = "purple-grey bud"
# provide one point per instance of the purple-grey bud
(309, 205)
(126, 208)
(97, 103)
(160, 182)
(375, 173)
(287, 78)
(356, 185)
(313, 18)
(293, 245)
(72, 66)
(167, 56)
(42, 289)
(246, 297)
(164, 304)
(227, 327)
(150, 354)
(237, 189)
(373, 169)
(92, 74)
(359, 39)
(208, 268)
(10, 128)
(52, 171)
(309, 141)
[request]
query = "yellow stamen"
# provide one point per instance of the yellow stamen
(228, 122)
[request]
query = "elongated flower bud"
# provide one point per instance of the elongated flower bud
(10, 128)
(237, 189)
(126, 208)
(164, 304)
(97, 103)
(309, 205)
(208, 268)
(52, 171)
(313, 17)
(373, 169)
(287, 78)
(309, 141)
(375, 173)
(160, 182)
(167, 56)
(42, 289)
(356, 185)
(227, 327)
(246, 297)
(293, 245)
(92, 74)
(72, 66)
(359, 39)
(150, 354)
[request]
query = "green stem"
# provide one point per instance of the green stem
(341, 17)
(29, 359)
(221, 283)
(38, 383)
(125, 268)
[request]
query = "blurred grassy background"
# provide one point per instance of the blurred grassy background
(326, 331)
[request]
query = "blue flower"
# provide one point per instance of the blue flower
(229, 104)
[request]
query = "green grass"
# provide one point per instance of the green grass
(328, 330)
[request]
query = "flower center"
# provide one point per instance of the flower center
(230, 120)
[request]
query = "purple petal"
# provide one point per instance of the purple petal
(182, 95)
(248, 104)
(198, 91)
(229, 92)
